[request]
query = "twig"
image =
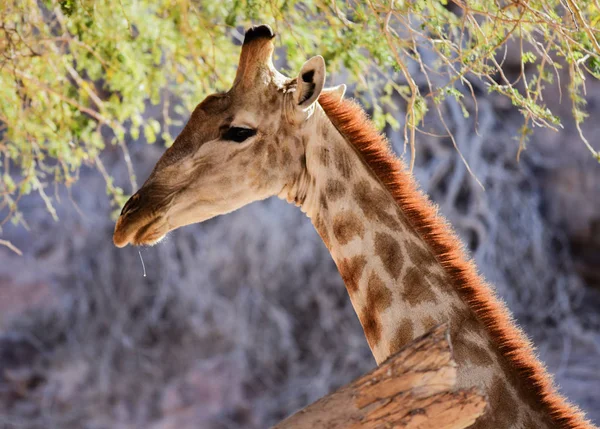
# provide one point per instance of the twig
(11, 246)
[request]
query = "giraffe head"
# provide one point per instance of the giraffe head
(238, 147)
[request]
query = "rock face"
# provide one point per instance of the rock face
(244, 319)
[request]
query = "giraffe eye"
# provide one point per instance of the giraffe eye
(238, 134)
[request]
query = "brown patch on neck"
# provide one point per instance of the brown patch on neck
(322, 230)
(286, 157)
(323, 201)
(415, 288)
(343, 163)
(501, 398)
(372, 327)
(374, 204)
(389, 251)
(335, 189)
(346, 226)
(468, 351)
(379, 298)
(374, 150)
(403, 335)
(351, 270)
(323, 154)
(419, 256)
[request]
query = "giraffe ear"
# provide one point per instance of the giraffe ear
(336, 91)
(310, 82)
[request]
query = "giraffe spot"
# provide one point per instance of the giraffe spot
(530, 423)
(390, 253)
(402, 336)
(402, 218)
(323, 155)
(272, 156)
(419, 256)
(322, 230)
(286, 156)
(351, 270)
(323, 201)
(374, 203)
(335, 189)
(416, 288)
(441, 282)
(465, 320)
(379, 297)
(513, 376)
(429, 323)
(257, 147)
(468, 351)
(505, 409)
(343, 162)
(262, 179)
(346, 226)
(371, 326)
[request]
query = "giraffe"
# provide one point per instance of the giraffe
(404, 268)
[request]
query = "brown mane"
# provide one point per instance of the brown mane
(355, 126)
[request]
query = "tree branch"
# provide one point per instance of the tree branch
(412, 389)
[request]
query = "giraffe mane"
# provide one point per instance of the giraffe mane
(353, 123)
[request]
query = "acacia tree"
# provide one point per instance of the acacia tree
(76, 75)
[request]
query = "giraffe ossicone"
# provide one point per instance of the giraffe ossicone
(404, 269)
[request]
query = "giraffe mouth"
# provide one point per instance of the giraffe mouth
(143, 234)
(151, 233)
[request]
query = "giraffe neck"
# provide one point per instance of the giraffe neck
(397, 286)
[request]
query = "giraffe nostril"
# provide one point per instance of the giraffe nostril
(129, 206)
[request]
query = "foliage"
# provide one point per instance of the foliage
(76, 75)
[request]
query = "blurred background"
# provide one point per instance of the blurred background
(244, 319)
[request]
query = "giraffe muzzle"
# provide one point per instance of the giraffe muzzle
(141, 221)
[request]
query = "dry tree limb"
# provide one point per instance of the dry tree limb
(412, 389)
